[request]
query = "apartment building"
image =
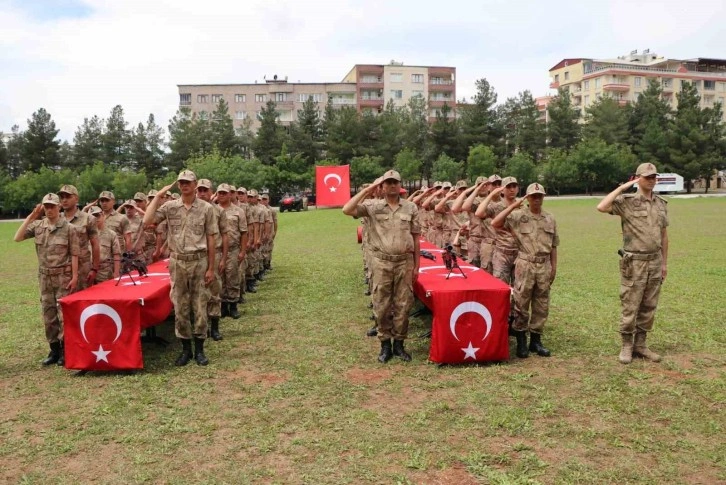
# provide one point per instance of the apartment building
(366, 87)
(626, 77)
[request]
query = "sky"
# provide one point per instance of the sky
(79, 58)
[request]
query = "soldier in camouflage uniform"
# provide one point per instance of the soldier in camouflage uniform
(436, 219)
(149, 244)
(393, 234)
(489, 235)
(57, 248)
(214, 307)
(253, 263)
(110, 265)
(452, 222)
(466, 203)
(536, 267)
(253, 227)
(192, 230)
(644, 263)
(89, 257)
(118, 223)
(267, 261)
(236, 252)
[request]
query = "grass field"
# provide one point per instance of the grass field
(294, 393)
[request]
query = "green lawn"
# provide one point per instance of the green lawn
(294, 393)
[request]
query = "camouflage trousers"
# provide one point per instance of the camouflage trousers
(503, 264)
(640, 283)
(253, 263)
(105, 272)
(392, 296)
(214, 305)
(84, 267)
(148, 254)
(52, 289)
(438, 237)
(266, 251)
(189, 296)
(243, 271)
(486, 251)
(531, 292)
(448, 237)
(473, 247)
(231, 277)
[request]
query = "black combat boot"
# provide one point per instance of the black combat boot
(259, 276)
(386, 351)
(53, 355)
(225, 309)
(62, 356)
(186, 354)
(372, 332)
(399, 351)
(251, 287)
(233, 311)
(214, 333)
(535, 345)
(522, 351)
(199, 352)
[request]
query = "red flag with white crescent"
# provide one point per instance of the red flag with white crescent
(332, 185)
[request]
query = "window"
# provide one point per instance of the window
(185, 99)
(202, 98)
(709, 85)
(396, 77)
(240, 98)
(557, 78)
(258, 114)
(415, 93)
(567, 75)
(260, 98)
(285, 115)
(370, 79)
(637, 81)
(417, 78)
(586, 101)
(396, 93)
(587, 86)
(317, 97)
(216, 98)
(667, 82)
(280, 97)
(597, 83)
(240, 115)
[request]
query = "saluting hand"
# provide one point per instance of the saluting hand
(37, 212)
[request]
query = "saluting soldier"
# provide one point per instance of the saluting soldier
(192, 230)
(57, 248)
(149, 244)
(89, 256)
(270, 245)
(535, 231)
(236, 252)
(466, 203)
(115, 221)
(452, 222)
(253, 262)
(110, 248)
(393, 235)
(644, 263)
(253, 227)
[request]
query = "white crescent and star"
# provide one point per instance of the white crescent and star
(470, 307)
(333, 176)
(470, 351)
(100, 309)
(101, 355)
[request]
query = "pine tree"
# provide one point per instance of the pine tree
(479, 121)
(116, 140)
(222, 130)
(40, 148)
(306, 134)
(563, 128)
(689, 145)
(606, 120)
(269, 141)
(88, 143)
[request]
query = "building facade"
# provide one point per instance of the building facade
(367, 88)
(626, 77)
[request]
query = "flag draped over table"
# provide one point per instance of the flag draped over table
(332, 185)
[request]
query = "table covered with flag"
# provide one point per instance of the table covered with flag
(102, 324)
(469, 314)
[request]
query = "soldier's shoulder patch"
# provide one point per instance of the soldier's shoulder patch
(627, 196)
(663, 199)
(524, 219)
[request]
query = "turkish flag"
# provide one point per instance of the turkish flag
(102, 335)
(469, 313)
(332, 185)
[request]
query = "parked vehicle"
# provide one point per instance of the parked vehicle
(667, 183)
(291, 203)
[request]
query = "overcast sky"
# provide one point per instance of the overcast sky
(77, 58)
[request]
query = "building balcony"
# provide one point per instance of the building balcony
(343, 102)
(285, 104)
(370, 85)
(616, 87)
(371, 102)
(555, 85)
(622, 102)
(439, 103)
(440, 87)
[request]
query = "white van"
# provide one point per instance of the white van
(667, 183)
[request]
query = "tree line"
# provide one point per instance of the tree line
(484, 137)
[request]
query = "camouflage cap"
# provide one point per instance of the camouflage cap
(461, 184)
(152, 193)
(187, 175)
(392, 174)
(95, 210)
(131, 203)
(175, 196)
(107, 194)
(205, 183)
(51, 199)
(140, 196)
(480, 180)
(438, 184)
(224, 188)
(535, 188)
(646, 170)
(68, 189)
(446, 185)
(232, 188)
(252, 193)
(494, 178)
(265, 195)
(169, 193)
(508, 181)
(241, 190)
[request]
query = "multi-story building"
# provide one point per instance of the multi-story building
(626, 77)
(543, 103)
(366, 87)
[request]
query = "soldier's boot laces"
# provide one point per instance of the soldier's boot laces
(535, 345)
(400, 352)
(626, 351)
(186, 354)
(199, 352)
(233, 311)
(386, 351)
(214, 333)
(53, 355)
(522, 351)
(642, 350)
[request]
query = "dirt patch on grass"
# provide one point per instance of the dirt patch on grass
(251, 377)
(448, 476)
(369, 376)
